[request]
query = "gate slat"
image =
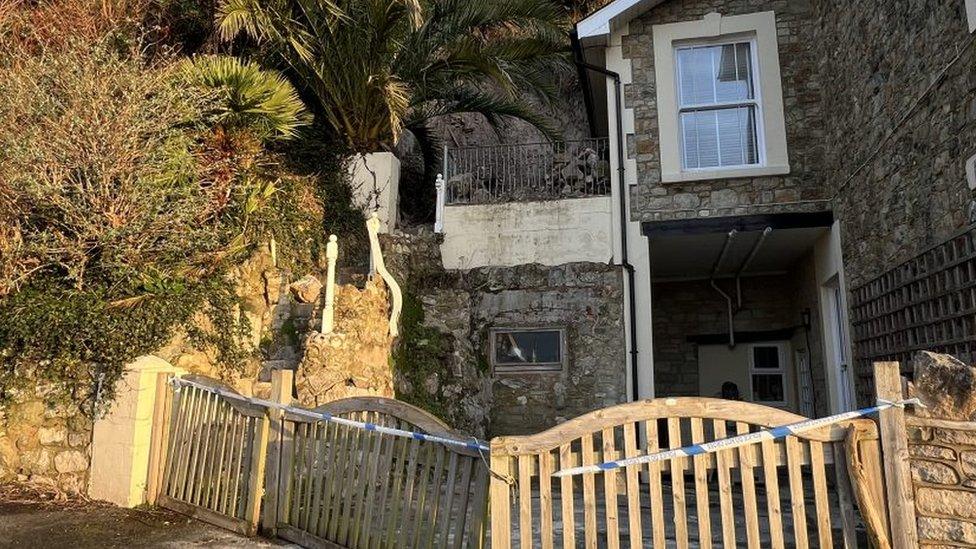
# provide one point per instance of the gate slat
(213, 455)
(193, 401)
(340, 479)
(525, 501)
(389, 473)
(462, 515)
(566, 496)
(371, 490)
(589, 493)
(545, 499)
(610, 491)
(180, 411)
(479, 512)
(633, 489)
(318, 474)
(655, 486)
(447, 511)
(701, 486)
(747, 462)
(678, 485)
(845, 493)
(435, 488)
(202, 478)
(793, 457)
(407, 493)
(722, 459)
(358, 494)
(773, 506)
(419, 518)
(820, 495)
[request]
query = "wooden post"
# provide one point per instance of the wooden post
(255, 485)
(500, 497)
(160, 437)
(328, 310)
(281, 387)
(439, 207)
(894, 446)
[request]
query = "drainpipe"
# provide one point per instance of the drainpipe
(745, 265)
(622, 190)
(728, 299)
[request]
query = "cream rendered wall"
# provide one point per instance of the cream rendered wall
(375, 184)
(121, 439)
(552, 232)
(718, 364)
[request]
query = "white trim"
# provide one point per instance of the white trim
(612, 17)
(760, 29)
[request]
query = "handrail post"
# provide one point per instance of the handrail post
(894, 447)
(439, 208)
(379, 266)
(328, 311)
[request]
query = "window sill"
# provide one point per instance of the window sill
(701, 175)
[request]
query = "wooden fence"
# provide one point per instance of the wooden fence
(801, 498)
(241, 465)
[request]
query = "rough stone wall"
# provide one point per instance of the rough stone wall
(584, 298)
(45, 444)
(877, 58)
(354, 360)
(800, 190)
(943, 465)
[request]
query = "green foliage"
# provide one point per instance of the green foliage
(420, 353)
(261, 101)
(376, 68)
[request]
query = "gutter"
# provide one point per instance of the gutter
(622, 190)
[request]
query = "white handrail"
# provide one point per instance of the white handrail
(376, 255)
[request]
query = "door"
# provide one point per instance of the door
(838, 345)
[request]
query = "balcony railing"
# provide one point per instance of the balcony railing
(527, 172)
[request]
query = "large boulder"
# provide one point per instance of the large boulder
(946, 386)
(306, 289)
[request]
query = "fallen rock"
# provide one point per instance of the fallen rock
(70, 461)
(946, 386)
(306, 289)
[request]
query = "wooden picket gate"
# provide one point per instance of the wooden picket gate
(347, 487)
(796, 501)
(209, 455)
(244, 466)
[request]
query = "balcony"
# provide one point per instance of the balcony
(527, 172)
(507, 205)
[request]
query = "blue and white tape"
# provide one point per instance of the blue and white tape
(772, 433)
(472, 444)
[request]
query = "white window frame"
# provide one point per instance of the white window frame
(781, 371)
(527, 367)
(755, 101)
(760, 29)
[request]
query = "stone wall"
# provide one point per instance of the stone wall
(45, 443)
(800, 190)
(353, 360)
(894, 196)
(461, 306)
(943, 465)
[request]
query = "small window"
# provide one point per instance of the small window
(527, 350)
(767, 374)
(718, 108)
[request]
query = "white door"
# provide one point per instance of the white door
(838, 346)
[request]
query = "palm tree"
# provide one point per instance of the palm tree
(376, 68)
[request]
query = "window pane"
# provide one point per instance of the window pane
(765, 357)
(768, 388)
(715, 74)
(719, 137)
(527, 347)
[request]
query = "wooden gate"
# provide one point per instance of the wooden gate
(349, 487)
(213, 463)
(794, 492)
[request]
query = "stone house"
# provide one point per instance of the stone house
(774, 194)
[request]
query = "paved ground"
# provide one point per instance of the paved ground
(30, 518)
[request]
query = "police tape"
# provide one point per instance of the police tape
(772, 433)
(472, 444)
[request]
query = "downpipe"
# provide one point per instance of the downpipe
(728, 298)
(745, 265)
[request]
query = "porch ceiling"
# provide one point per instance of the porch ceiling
(693, 256)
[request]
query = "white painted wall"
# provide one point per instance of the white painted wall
(551, 232)
(375, 184)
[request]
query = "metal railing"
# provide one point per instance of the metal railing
(527, 172)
